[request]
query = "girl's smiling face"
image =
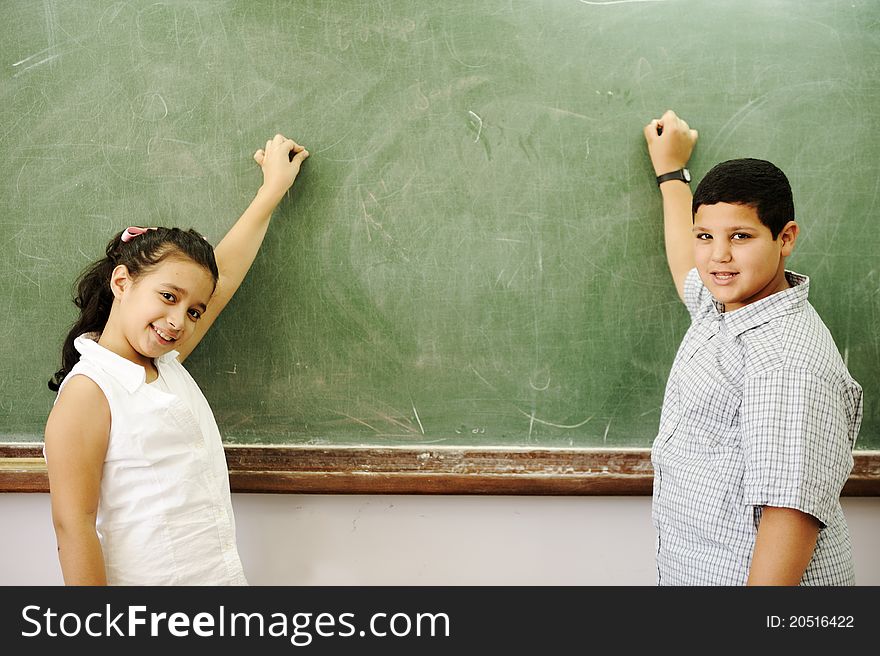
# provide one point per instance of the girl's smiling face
(736, 255)
(158, 310)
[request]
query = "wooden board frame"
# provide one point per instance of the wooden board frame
(424, 470)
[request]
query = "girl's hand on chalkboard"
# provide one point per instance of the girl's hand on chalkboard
(670, 142)
(280, 160)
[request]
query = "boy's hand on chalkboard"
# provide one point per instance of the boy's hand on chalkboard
(670, 142)
(280, 160)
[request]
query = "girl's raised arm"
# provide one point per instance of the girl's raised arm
(280, 160)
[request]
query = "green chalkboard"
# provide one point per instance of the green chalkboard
(473, 253)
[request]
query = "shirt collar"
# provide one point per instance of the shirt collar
(130, 375)
(772, 307)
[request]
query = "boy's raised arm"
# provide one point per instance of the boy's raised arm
(670, 151)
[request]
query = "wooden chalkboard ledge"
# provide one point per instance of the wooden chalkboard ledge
(426, 470)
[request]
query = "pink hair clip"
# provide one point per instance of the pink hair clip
(130, 233)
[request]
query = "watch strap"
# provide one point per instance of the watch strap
(680, 174)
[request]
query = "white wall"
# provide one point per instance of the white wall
(422, 540)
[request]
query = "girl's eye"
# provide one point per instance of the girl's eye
(704, 236)
(168, 296)
(195, 315)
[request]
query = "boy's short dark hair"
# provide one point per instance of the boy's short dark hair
(753, 182)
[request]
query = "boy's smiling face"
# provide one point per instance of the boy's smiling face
(736, 256)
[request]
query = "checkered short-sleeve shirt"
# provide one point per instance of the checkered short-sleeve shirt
(759, 410)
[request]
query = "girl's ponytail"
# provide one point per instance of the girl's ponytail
(93, 295)
(94, 299)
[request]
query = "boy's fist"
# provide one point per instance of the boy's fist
(670, 142)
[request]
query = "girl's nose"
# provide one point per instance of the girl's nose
(175, 321)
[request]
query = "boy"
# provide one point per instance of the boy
(760, 413)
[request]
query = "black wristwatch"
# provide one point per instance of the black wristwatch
(681, 174)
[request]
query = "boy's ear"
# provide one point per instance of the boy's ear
(120, 280)
(788, 237)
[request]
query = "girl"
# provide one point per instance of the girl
(138, 478)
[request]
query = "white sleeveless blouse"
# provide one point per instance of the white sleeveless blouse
(165, 512)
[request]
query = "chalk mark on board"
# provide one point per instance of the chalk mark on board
(18, 179)
(389, 194)
(51, 21)
(39, 63)
(639, 66)
(641, 76)
(158, 138)
(566, 112)
(416, 413)
(391, 420)
(478, 125)
(351, 129)
(615, 2)
(605, 436)
(727, 130)
(531, 415)
(367, 220)
(52, 47)
(32, 281)
(550, 423)
(148, 100)
(539, 389)
(425, 103)
(477, 373)
(104, 148)
(515, 273)
(455, 54)
(360, 421)
(36, 54)
(33, 257)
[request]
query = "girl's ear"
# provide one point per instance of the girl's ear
(120, 280)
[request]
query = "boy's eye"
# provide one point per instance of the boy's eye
(704, 236)
(195, 315)
(739, 236)
(168, 296)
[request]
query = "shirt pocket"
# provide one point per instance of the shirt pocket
(717, 420)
